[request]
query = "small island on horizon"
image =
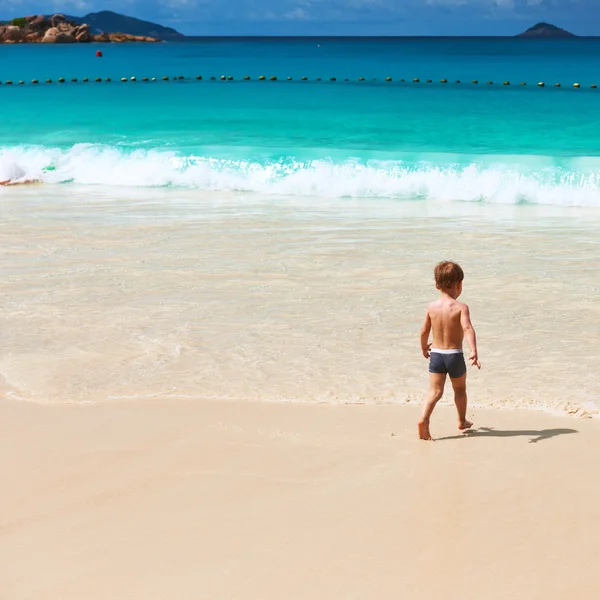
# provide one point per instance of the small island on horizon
(545, 31)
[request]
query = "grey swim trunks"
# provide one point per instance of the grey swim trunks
(451, 362)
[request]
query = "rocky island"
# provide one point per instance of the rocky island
(545, 30)
(59, 29)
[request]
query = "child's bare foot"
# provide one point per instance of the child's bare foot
(424, 430)
(465, 425)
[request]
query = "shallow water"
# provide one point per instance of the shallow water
(110, 295)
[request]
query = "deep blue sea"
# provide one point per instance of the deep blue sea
(374, 138)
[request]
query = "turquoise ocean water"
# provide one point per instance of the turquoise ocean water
(275, 239)
(400, 140)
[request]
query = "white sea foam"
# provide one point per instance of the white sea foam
(500, 180)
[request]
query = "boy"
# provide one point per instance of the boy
(451, 322)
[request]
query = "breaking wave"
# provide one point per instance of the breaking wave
(508, 180)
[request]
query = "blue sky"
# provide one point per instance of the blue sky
(336, 17)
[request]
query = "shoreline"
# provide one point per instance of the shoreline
(243, 499)
(10, 395)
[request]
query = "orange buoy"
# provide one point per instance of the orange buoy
(99, 54)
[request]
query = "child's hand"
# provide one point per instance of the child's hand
(425, 351)
(475, 360)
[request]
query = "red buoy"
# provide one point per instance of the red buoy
(99, 54)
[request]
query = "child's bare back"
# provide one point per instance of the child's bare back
(446, 315)
(450, 322)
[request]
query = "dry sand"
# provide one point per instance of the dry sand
(222, 500)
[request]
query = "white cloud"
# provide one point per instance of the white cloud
(298, 14)
(492, 3)
(65, 5)
(179, 3)
(484, 3)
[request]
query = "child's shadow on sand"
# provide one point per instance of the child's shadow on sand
(537, 435)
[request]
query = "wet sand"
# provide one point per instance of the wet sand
(117, 293)
(220, 499)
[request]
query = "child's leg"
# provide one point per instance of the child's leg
(436, 391)
(459, 385)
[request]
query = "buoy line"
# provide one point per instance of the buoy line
(229, 78)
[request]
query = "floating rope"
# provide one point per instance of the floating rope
(388, 80)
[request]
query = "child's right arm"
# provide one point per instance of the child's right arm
(465, 321)
(425, 329)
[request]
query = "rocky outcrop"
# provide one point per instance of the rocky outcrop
(122, 37)
(37, 23)
(82, 33)
(13, 34)
(55, 20)
(102, 37)
(58, 30)
(62, 34)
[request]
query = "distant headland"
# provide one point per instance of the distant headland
(104, 26)
(545, 30)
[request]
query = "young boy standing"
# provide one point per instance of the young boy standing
(451, 323)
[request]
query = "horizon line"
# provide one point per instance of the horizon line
(328, 35)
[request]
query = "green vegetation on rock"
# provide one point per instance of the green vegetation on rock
(20, 22)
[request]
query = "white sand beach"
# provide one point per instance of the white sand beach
(213, 397)
(222, 500)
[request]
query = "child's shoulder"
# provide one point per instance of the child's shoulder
(462, 308)
(439, 305)
(433, 305)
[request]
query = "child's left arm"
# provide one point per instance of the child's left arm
(465, 321)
